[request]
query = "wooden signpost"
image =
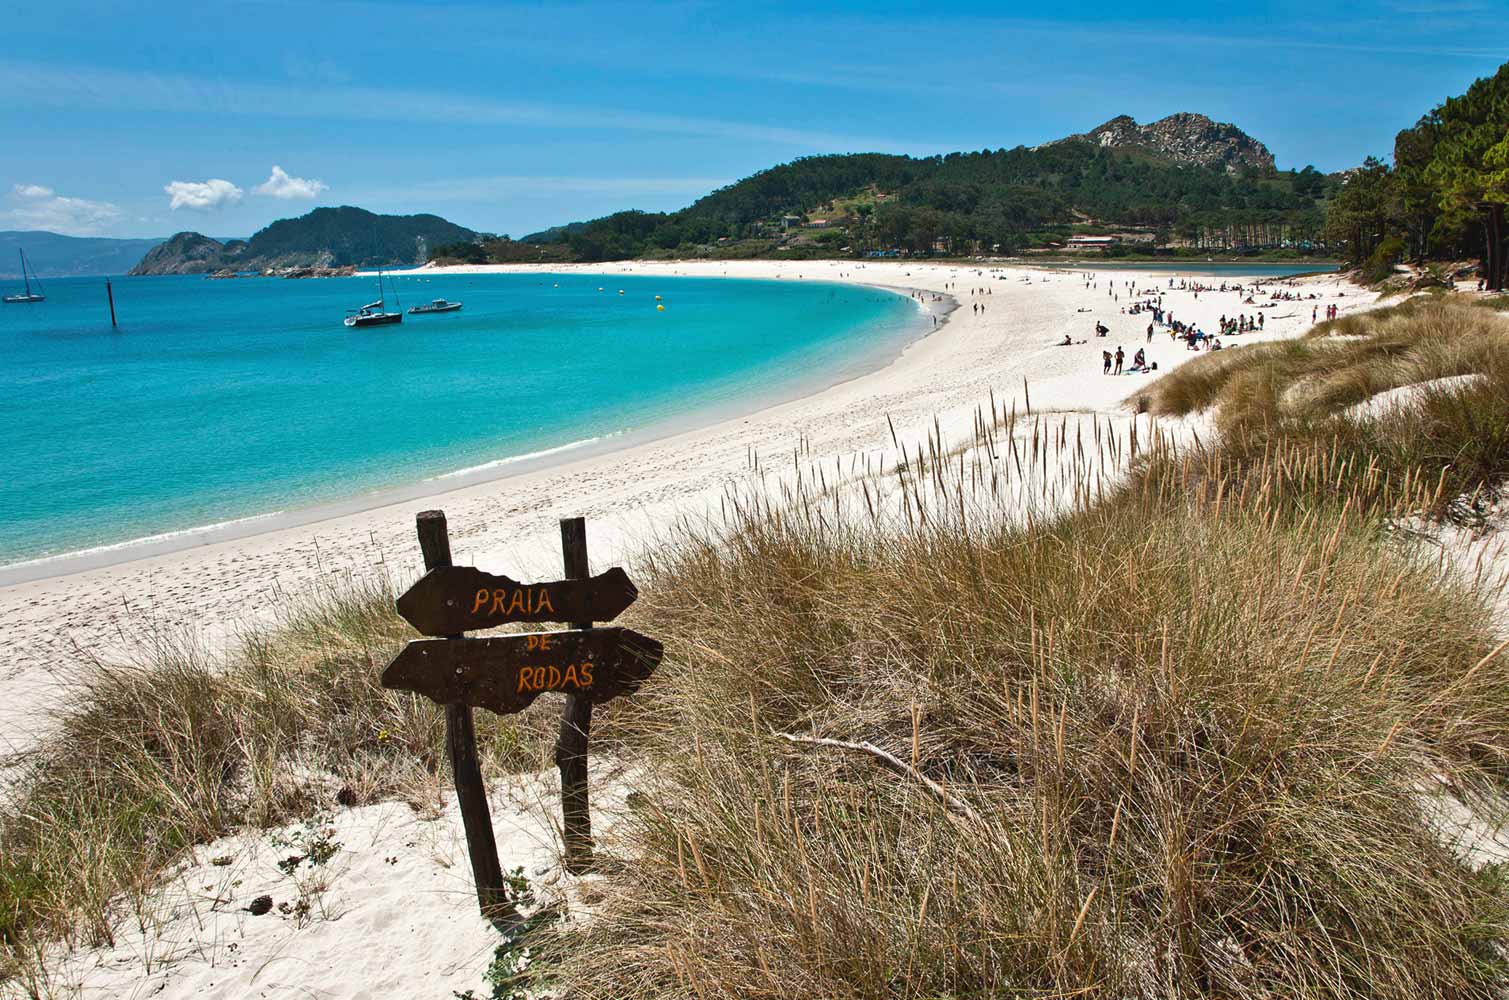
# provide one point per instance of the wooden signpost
(507, 673)
(453, 599)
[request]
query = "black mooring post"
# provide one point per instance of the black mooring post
(576, 726)
(461, 747)
(110, 295)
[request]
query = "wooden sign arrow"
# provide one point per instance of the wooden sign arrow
(449, 600)
(506, 673)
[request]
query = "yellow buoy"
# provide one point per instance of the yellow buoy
(661, 308)
(657, 298)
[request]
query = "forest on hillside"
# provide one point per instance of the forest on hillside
(1441, 198)
(995, 201)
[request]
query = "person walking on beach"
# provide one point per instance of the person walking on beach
(1150, 333)
(1120, 357)
(1105, 368)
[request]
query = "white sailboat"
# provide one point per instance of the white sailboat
(28, 295)
(375, 313)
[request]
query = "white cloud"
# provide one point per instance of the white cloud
(36, 206)
(280, 185)
(202, 196)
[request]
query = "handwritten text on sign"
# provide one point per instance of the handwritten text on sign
(506, 673)
(454, 599)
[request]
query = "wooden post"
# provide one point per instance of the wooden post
(461, 747)
(110, 294)
(576, 726)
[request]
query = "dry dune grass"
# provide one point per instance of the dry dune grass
(178, 747)
(1188, 739)
(1340, 362)
(1292, 396)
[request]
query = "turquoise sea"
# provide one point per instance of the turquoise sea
(219, 400)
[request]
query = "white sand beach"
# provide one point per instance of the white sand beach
(1003, 334)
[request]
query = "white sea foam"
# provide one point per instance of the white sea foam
(499, 463)
(166, 537)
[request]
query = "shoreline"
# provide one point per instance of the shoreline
(247, 526)
(634, 493)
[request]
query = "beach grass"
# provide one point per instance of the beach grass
(1051, 715)
(1147, 754)
(176, 747)
(1448, 361)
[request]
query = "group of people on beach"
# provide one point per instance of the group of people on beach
(1139, 362)
(1234, 325)
(1148, 301)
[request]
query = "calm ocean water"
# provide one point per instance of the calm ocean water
(218, 400)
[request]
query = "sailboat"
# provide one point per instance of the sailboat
(375, 313)
(28, 295)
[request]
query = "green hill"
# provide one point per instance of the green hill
(1184, 178)
(326, 237)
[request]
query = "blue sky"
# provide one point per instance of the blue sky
(149, 118)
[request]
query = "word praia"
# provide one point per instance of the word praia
(521, 600)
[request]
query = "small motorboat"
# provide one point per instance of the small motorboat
(437, 306)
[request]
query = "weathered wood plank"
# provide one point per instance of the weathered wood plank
(461, 747)
(452, 599)
(576, 723)
(506, 673)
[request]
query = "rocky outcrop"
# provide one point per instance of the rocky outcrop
(345, 271)
(183, 253)
(1185, 138)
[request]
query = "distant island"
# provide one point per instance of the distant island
(53, 255)
(324, 240)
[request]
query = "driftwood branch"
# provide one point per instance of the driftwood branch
(891, 762)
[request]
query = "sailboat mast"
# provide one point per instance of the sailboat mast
(23, 272)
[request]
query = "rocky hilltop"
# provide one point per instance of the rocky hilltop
(325, 240)
(1190, 139)
(183, 253)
